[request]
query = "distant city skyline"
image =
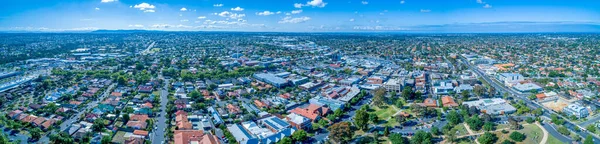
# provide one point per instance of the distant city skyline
(302, 15)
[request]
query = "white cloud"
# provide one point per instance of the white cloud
(217, 5)
(183, 9)
(184, 20)
(278, 12)
(289, 19)
(237, 9)
(201, 17)
(137, 26)
(149, 11)
(144, 6)
(108, 1)
(296, 11)
(364, 2)
(351, 20)
(487, 6)
(425, 10)
(313, 3)
(401, 2)
(96, 8)
(265, 13)
(480, 1)
(162, 26)
(230, 15)
(288, 14)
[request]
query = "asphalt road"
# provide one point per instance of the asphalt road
(158, 135)
(552, 131)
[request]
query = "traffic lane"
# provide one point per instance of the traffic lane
(552, 130)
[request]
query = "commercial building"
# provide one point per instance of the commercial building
(493, 106)
(577, 110)
(527, 87)
(394, 85)
(510, 79)
(271, 79)
(442, 87)
(298, 121)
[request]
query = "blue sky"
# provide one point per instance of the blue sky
(299, 15)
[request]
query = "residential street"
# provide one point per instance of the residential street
(158, 136)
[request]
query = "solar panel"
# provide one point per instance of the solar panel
(272, 125)
(280, 122)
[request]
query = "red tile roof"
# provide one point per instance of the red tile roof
(447, 101)
(430, 102)
(191, 136)
(138, 117)
(140, 132)
(312, 111)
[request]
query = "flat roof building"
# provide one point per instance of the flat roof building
(271, 79)
(576, 110)
(493, 106)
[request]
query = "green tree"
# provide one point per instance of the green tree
(529, 120)
(373, 118)
(361, 119)
(195, 95)
(474, 123)
(517, 136)
(299, 135)
(407, 93)
(36, 133)
(591, 128)
(98, 125)
(478, 90)
(487, 138)
(488, 126)
(532, 97)
(61, 138)
(421, 137)
(4, 139)
(435, 130)
(122, 80)
(125, 118)
(453, 117)
(507, 142)
(386, 131)
(285, 140)
(341, 132)
(465, 95)
(106, 140)
(397, 139)
(563, 130)
(379, 97)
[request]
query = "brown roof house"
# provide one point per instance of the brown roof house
(313, 111)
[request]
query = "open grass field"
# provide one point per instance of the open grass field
(461, 129)
(534, 135)
(385, 114)
(553, 140)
